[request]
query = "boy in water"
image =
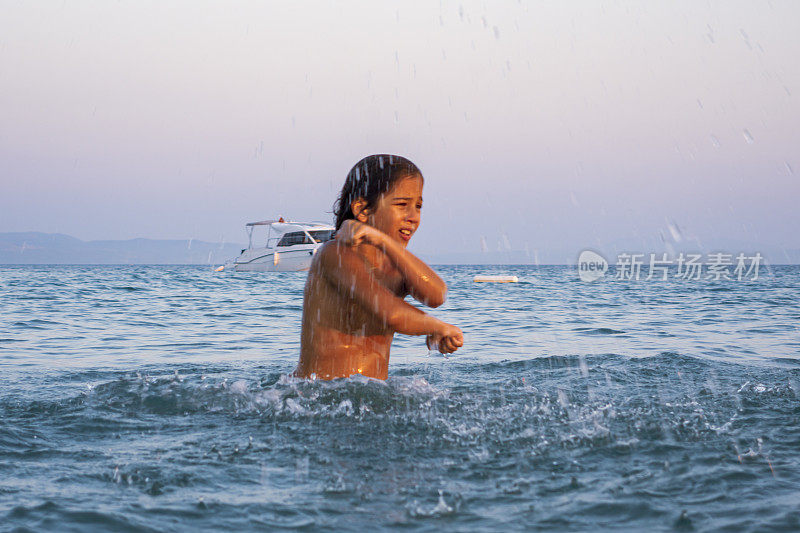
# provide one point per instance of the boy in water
(354, 295)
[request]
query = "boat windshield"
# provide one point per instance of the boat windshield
(299, 237)
(294, 237)
(322, 235)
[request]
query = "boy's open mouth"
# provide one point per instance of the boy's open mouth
(406, 233)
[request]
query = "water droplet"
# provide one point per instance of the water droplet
(562, 398)
(714, 141)
(746, 39)
(675, 231)
(583, 366)
(496, 32)
(747, 137)
(788, 167)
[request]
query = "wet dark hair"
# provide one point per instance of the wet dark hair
(368, 179)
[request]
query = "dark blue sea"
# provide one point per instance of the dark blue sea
(158, 398)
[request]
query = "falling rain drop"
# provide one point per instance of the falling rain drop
(747, 137)
(714, 141)
(788, 167)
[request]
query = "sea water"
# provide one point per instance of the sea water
(158, 398)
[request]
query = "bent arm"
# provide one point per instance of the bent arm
(420, 279)
(346, 270)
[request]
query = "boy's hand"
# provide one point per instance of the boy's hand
(352, 233)
(446, 341)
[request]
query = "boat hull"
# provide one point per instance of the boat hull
(264, 260)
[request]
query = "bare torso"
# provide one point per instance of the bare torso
(340, 337)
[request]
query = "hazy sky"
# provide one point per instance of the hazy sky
(546, 125)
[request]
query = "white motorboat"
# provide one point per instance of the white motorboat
(287, 247)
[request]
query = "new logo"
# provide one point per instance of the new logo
(591, 266)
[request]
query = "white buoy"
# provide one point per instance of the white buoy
(495, 279)
(219, 269)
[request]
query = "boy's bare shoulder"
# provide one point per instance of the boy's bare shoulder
(335, 261)
(328, 251)
(334, 253)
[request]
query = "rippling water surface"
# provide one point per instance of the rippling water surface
(157, 398)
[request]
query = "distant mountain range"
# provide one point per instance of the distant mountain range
(56, 248)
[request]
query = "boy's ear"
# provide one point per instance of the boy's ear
(360, 211)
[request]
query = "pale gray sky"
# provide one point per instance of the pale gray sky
(559, 125)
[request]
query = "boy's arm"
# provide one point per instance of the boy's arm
(420, 280)
(343, 267)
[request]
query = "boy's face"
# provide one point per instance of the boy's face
(398, 212)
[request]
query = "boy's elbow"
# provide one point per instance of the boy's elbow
(437, 298)
(436, 301)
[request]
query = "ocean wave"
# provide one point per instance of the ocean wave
(536, 429)
(599, 331)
